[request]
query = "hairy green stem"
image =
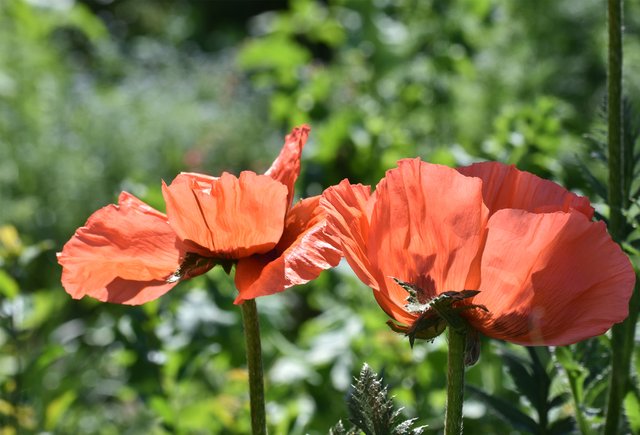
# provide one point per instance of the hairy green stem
(455, 380)
(615, 125)
(622, 344)
(254, 366)
(622, 334)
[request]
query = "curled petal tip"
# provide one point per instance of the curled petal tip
(286, 167)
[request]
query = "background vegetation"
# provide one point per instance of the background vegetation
(98, 96)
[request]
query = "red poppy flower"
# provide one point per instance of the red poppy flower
(130, 253)
(545, 272)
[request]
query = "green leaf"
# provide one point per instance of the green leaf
(563, 426)
(82, 17)
(44, 304)
(598, 186)
(632, 410)
(559, 400)
(531, 378)
(596, 390)
(522, 376)
(274, 52)
(540, 358)
(162, 408)
(8, 286)
(576, 373)
(506, 411)
(57, 407)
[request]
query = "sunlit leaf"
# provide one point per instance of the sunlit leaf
(8, 286)
(574, 370)
(57, 407)
(632, 410)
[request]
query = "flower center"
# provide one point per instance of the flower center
(436, 313)
(194, 264)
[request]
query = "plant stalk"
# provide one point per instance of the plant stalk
(614, 120)
(622, 334)
(622, 344)
(583, 424)
(254, 366)
(455, 380)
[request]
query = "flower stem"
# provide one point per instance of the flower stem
(254, 366)
(622, 343)
(614, 119)
(622, 334)
(455, 380)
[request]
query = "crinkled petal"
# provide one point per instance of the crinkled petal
(305, 250)
(349, 208)
(286, 167)
(504, 186)
(551, 279)
(231, 217)
(427, 228)
(123, 254)
(346, 207)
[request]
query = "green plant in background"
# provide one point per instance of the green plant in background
(15, 258)
(586, 367)
(532, 406)
(372, 411)
(79, 122)
(449, 81)
(622, 161)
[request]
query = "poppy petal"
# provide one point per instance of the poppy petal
(551, 279)
(123, 254)
(349, 212)
(427, 228)
(134, 292)
(504, 186)
(347, 217)
(304, 251)
(286, 167)
(231, 217)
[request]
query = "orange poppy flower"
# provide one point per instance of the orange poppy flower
(130, 253)
(540, 271)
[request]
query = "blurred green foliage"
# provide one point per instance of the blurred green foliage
(79, 121)
(448, 81)
(99, 96)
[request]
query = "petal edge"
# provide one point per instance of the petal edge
(551, 279)
(286, 167)
(131, 242)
